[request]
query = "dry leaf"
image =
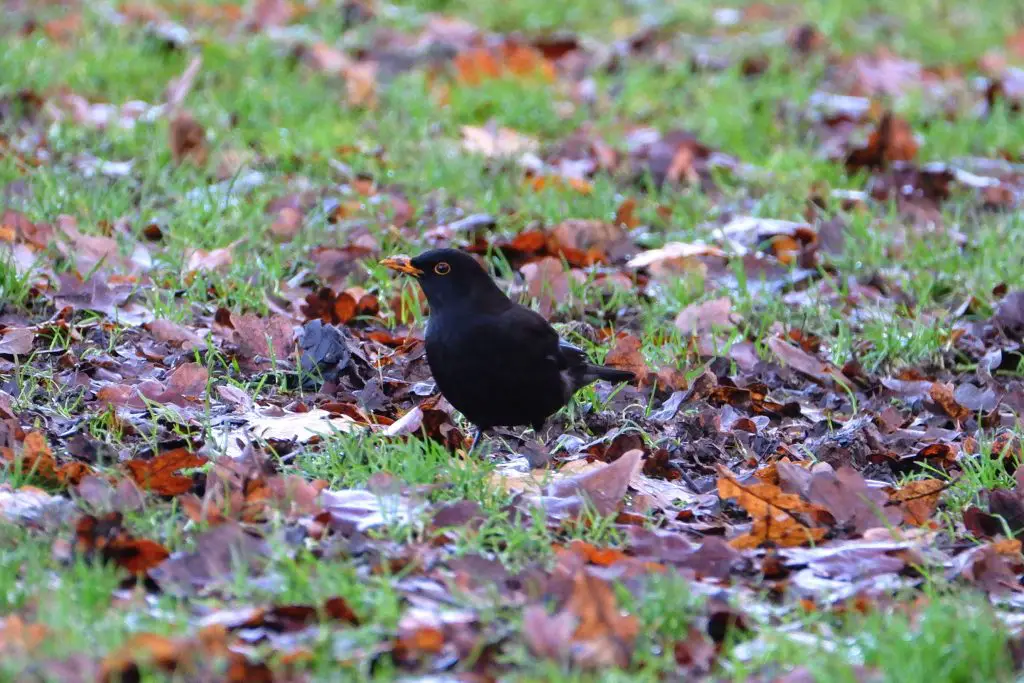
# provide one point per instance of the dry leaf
(188, 140)
(626, 355)
(701, 317)
(160, 475)
(493, 141)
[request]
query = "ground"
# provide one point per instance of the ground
(800, 225)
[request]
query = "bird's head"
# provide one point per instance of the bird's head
(447, 277)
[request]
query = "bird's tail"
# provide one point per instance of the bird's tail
(610, 374)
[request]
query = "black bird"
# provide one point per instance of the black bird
(499, 363)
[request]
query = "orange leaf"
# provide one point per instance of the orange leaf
(474, 66)
(601, 624)
(942, 393)
(159, 474)
(918, 500)
(602, 557)
(773, 512)
(784, 532)
(159, 651)
(37, 458)
(759, 499)
(105, 537)
(625, 215)
(626, 355)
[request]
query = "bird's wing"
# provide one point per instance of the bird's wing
(532, 337)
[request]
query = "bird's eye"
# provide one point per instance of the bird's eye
(442, 268)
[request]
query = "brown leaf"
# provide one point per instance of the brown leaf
(270, 13)
(991, 567)
(102, 496)
(339, 309)
(547, 282)
(35, 457)
(88, 251)
(216, 260)
(159, 475)
(795, 357)
(892, 140)
(157, 651)
(176, 334)
(850, 500)
(625, 355)
(63, 29)
(701, 317)
(187, 139)
(326, 58)
(759, 499)
(361, 84)
(477, 65)
(942, 394)
(625, 215)
(271, 337)
(224, 553)
(17, 341)
(286, 224)
(604, 487)
(604, 635)
(188, 379)
(18, 639)
(918, 500)
(783, 532)
(589, 235)
(106, 538)
(547, 635)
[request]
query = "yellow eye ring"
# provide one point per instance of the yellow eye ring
(442, 268)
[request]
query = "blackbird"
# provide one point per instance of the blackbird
(498, 363)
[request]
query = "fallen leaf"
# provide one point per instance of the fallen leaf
(800, 360)
(589, 235)
(701, 317)
(270, 13)
(604, 487)
(198, 260)
(604, 635)
(17, 341)
(849, 499)
(773, 512)
(106, 539)
(626, 355)
(892, 140)
(918, 500)
(942, 394)
(271, 338)
(224, 554)
(360, 84)
(35, 458)
(160, 476)
(546, 282)
(187, 139)
(176, 334)
(496, 141)
(286, 224)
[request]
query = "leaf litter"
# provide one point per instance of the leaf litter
(777, 463)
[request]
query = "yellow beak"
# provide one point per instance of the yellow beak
(402, 264)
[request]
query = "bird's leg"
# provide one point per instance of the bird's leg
(476, 439)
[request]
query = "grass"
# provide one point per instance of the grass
(293, 123)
